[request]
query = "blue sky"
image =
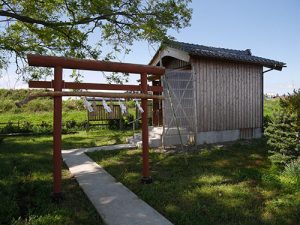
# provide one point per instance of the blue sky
(270, 28)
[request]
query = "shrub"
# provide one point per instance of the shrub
(42, 128)
(114, 124)
(44, 124)
(7, 105)
(283, 137)
(72, 104)
(287, 178)
(267, 120)
(271, 180)
(279, 158)
(9, 97)
(129, 118)
(130, 104)
(84, 125)
(9, 128)
(292, 105)
(292, 171)
(40, 105)
(71, 124)
(26, 127)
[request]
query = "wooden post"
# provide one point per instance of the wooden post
(157, 112)
(57, 129)
(146, 178)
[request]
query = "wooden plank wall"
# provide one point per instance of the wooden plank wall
(229, 95)
(171, 63)
(100, 114)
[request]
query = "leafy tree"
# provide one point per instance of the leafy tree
(69, 27)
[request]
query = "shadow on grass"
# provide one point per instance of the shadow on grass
(220, 185)
(94, 139)
(26, 184)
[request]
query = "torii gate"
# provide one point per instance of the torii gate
(60, 63)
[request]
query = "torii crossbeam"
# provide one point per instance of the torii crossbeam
(60, 63)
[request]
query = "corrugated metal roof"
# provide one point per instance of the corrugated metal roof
(225, 54)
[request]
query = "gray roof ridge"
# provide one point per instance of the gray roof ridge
(228, 50)
(224, 53)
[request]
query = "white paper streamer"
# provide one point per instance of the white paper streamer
(123, 107)
(106, 107)
(138, 105)
(87, 105)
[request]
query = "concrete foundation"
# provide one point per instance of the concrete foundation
(224, 136)
(217, 136)
(157, 139)
(257, 133)
(175, 139)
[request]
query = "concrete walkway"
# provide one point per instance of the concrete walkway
(114, 202)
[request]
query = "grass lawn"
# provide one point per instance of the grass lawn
(26, 180)
(232, 184)
(220, 185)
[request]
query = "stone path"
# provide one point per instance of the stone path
(116, 204)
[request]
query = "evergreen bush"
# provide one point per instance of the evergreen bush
(291, 104)
(282, 136)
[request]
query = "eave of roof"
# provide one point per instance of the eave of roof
(223, 54)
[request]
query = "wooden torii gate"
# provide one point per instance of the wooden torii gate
(60, 63)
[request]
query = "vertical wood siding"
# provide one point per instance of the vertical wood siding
(229, 95)
(171, 63)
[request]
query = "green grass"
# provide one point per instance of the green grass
(220, 185)
(37, 117)
(26, 180)
(271, 106)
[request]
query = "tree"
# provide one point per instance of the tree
(65, 27)
(284, 129)
(283, 137)
(291, 103)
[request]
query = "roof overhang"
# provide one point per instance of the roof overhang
(171, 52)
(273, 66)
(185, 51)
